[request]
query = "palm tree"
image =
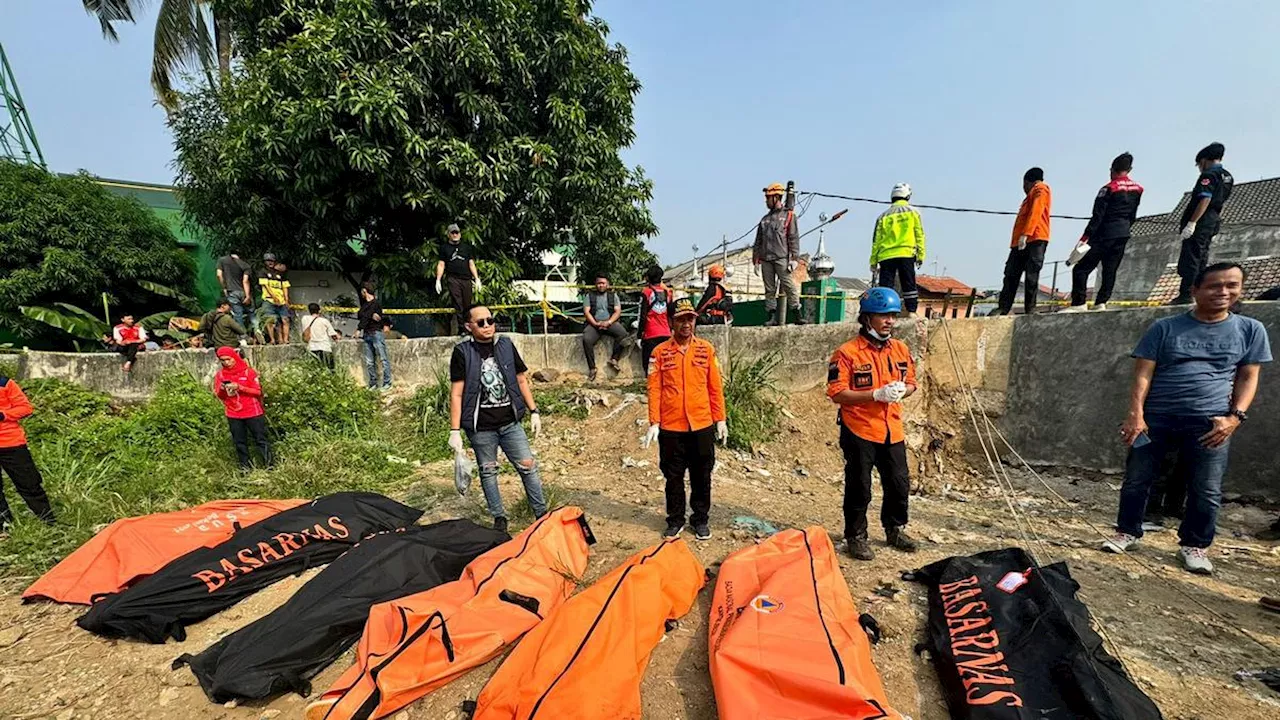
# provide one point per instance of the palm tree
(189, 35)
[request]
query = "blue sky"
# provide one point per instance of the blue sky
(957, 98)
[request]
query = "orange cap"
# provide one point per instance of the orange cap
(715, 272)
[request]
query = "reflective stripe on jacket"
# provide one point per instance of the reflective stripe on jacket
(899, 233)
(1033, 215)
(863, 365)
(685, 391)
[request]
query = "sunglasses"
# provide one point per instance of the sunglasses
(484, 322)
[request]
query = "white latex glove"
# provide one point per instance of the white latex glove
(757, 269)
(455, 441)
(899, 389)
(890, 393)
(479, 285)
(439, 289)
(649, 437)
(639, 343)
(1022, 242)
(535, 424)
(791, 266)
(722, 432)
(1188, 231)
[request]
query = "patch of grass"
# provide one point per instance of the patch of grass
(522, 514)
(101, 463)
(752, 401)
(560, 401)
(9, 369)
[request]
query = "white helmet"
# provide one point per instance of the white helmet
(901, 191)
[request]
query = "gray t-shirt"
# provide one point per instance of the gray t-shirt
(1196, 362)
(602, 304)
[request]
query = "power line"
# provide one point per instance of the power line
(978, 211)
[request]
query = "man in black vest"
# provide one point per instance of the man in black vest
(490, 396)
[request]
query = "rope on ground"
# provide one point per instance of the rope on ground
(1079, 515)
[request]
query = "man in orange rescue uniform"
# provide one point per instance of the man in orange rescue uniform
(868, 377)
(15, 457)
(686, 417)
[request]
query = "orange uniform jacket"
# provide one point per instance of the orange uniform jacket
(862, 365)
(587, 659)
(13, 406)
(685, 391)
(1033, 215)
(785, 638)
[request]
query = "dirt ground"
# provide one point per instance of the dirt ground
(1179, 655)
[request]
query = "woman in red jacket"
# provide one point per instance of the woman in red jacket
(236, 385)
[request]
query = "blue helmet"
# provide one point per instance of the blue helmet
(880, 300)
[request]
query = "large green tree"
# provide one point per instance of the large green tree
(66, 239)
(389, 119)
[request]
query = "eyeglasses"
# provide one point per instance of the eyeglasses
(454, 232)
(484, 322)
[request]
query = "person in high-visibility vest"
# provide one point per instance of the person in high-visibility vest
(686, 417)
(869, 377)
(897, 246)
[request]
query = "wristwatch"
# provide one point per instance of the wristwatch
(1239, 414)
(534, 411)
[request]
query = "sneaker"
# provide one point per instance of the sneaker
(1073, 309)
(900, 540)
(860, 549)
(592, 375)
(673, 530)
(1100, 306)
(771, 323)
(1119, 543)
(1195, 560)
(385, 389)
(702, 531)
(500, 524)
(1150, 526)
(614, 365)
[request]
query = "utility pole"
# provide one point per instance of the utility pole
(17, 137)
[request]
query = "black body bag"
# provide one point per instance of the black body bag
(1010, 641)
(206, 581)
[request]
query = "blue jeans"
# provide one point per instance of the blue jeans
(515, 444)
(1202, 467)
(239, 311)
(375, 342)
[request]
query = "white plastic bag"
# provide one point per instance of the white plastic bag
(463, 471)
(1077, 254)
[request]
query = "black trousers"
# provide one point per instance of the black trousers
(646, 349)
(860, 456)
(695, 452)
(17, 463)
(129, 351)
(241, 429)
(591, 336)
(1194, 256)
(324, 358)
(1105, 253)
(1020, 262)
(904, 271)
(460, 293)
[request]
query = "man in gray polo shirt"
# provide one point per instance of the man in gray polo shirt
(601, 311)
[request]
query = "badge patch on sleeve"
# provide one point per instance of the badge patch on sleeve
(833, 372)
(862, 380)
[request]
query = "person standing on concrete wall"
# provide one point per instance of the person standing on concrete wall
(868, 377)
(1105, 237)
(601, 311)
(15, 456)
(275, 300)
(236, 278)
(775, 255)
(1029, 243)
(687, 416)
(897, 246)
(1201, 218)
(457, 267)
(1196, 375)
(654, 325)
(371, 325)
(489, 397)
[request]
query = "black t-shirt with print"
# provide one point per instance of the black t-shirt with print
(495, 397)
(457, 258)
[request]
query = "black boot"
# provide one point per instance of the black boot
(899, 540)
(860, 549)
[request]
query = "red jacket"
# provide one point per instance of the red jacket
(247, 401)
(13, 407)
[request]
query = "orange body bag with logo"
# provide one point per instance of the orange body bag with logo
(785, 640)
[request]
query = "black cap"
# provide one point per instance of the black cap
(1212, 151)
(1035, 174)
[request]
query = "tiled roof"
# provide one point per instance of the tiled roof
(1047, 291)
(1261, 274)
(715, 258)
(1255, 201)
(940, 284)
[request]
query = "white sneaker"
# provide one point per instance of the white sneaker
(1100, 306)
(1073, 309)
(1150, 527)
(1195, 560)
(1119, 543)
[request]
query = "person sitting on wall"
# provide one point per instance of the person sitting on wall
(128, 338)
(218, 328)
(601, 311)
